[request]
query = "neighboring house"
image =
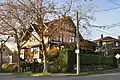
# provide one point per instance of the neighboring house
(7, 54)
(107, 45)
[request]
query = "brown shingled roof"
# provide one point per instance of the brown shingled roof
(107, 38)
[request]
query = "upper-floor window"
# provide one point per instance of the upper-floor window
(117, 44)
(36, 52)
(71, 39)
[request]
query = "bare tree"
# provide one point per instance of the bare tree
(85, 16)
(17, 16)
(13, 22)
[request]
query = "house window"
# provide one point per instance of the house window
(61, 39)
(57, 38)
(36, 52)
(22, 54)
(117, 44)
(104, 44)
(72, 39)
(64, 39)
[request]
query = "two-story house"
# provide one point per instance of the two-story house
(107, 45)
(64, 34)
(60, 31)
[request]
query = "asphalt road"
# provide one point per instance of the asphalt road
(112, 76)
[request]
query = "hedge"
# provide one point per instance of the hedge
(60, 63)
(95, 59)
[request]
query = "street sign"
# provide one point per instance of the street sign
(117, 56)
(77, 51)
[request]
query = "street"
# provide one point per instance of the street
(111, 76)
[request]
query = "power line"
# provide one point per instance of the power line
(114, 3)
(107, 9)
(106, 26)
(104, 31)
(110, 9)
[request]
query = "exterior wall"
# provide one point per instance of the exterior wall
(32, 41)
(29, 54)
(32, 49)
(5, 59)
(7, 53)
(64, 36)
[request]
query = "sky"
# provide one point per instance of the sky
(105, 18)
(102, 16)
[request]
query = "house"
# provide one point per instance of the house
(7, 55)
(61, 32)
(107, 45)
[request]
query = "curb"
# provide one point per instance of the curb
(62, 74)
(87, 73)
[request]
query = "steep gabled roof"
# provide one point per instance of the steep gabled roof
(52, 24)
(61, 24)
(66, 21)
(105, 39)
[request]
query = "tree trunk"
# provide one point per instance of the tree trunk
(45, 69)
(19, 58)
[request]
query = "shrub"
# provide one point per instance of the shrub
(60, 63)
(9, 67)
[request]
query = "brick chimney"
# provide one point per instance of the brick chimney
(101, 36)
(100, 42)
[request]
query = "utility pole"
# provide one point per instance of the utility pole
(77, 51)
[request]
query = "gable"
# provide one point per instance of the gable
(63, 27)
(6, 50)
(33, 40)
